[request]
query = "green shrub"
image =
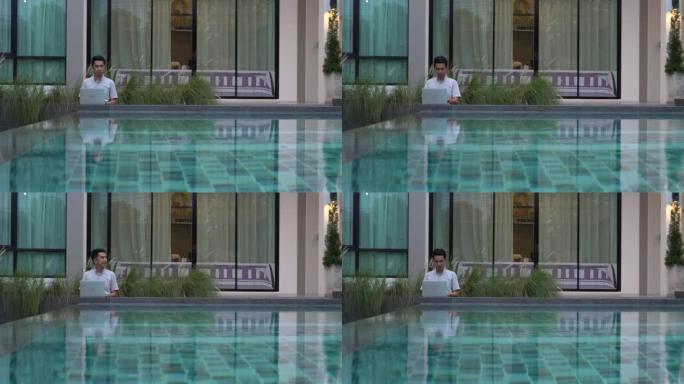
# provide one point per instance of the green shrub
(538, 284)
(364, 104)
(197, 91)
(333, 245)
(195, 284)
(22, 103)
(674, 254)
(20, 296)
(362, 297)
(538, 91)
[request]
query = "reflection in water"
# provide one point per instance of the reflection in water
(432, 345)
(100, 154)
(181, 346)
(514, 155)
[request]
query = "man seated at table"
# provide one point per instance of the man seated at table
(442, 81)
(440, 273)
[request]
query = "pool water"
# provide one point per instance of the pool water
(180, 346)
(449, 346)
(513, 154)
(158, 154)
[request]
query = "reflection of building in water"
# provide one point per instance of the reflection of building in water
(441, 131)
(594, 322)
(96, 323)
(440, 323)
(97, 131)
(588, 128)
(245, 129)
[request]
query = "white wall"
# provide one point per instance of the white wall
(288, 244)
(629, 244)
(288, 38)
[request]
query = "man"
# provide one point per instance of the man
(440, 273)
(100, 81)
(100, 273)
(442, 81)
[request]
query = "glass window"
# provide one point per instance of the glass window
(131, 38)
(256, 241)
(98, 28)
(256, 36)
(41, 31)
(6, 257)
(440, 221)
(558, 237)
(41, 233)
(41, 71)
(5, 25)
(472, 35)
(131, 229)
(598, 34)
(558, 44)
(99, 225)
(440, 28)
(216, 219)
(41, 263)
(472, 231)
(598, 254)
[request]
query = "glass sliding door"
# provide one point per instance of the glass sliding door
(98, 18)
(6, 253)
(41, 41)
(558, 51)
(256, 234)
(598, 231)
(130, 226)
(131, 36)
(6, 61)
(598, 48)
(41, 234)
(216, 237)
(383, 234)
(256, 42)
(472, 232)
(558, 237)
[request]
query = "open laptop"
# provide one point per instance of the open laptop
(94, 96)
(435, 96)
(435, 288)
(92, 288)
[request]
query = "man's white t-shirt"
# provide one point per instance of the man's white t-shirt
(446, 275)
(104, 83)
(448, 83)
(107, 276)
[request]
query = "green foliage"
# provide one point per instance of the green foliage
(195, 284)
(20, 296)
(674, 62)
(362, 297)
(22, 103)
(366, 104)
(538, 284)
(333, 245)
(675, 253)
(333, 52)
(538, 91)
(197, 91)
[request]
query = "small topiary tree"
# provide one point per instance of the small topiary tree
(333, 52)
(675, 253)
(675, 56)
(333, 245)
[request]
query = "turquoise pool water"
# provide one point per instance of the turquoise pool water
(513, 154)
(172, 154)
(179, 346)
(449, 346)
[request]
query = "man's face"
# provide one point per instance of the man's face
(101, 260)
(439, 263)
(98, 68)
(440, 70)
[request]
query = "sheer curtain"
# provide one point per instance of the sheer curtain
(130, 226)
(557, 228)
(503, 227)
(440, 221)
(598, 35)
(440, 28)
(256, 35)
(503, 34)
(130, 39)
(41, 31)
(383, 225)
(41, 224)
(161, 55)
(558, 35)
(216, 228)
(472, 34)
(473, 227)
(161, 227)
(215, 32)
(98, 27)
(256, 229)
(598, 228)
(383, 31)
(6, 259)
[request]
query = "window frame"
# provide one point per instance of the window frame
(14, 57)
(276, 270)
(578, 93)
(535, 258)
(276, 81)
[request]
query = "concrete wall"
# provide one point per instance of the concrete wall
(76, 41)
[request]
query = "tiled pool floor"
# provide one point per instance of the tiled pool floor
(172, 346)
(192, 154)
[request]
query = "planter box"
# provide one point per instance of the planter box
(675, 279)
(333, 280)
(675, 88)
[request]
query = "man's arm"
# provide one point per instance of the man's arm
(113, 96)
(114, 287)
(455, 94)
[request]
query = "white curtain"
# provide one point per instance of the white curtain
(598, 228)
(503, 34)
(161, 32)
(384, 220)
(503, 222)
(598, 35)
(41, 225)
(472, 227)
(215, 227)
(557, 227)
(130, 39)
(440, 28)
(472, 34)
(256, 35)
(130, 226)
(557, 34)
(256, 228)
(215, 34)
(440, 221)
(161, 226)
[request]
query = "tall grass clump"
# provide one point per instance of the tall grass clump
(20, 296)
(538, 91)
(362, 297)
(195, 284)
(364, 104)
(197, 91)
(538, 284)
(22, 103)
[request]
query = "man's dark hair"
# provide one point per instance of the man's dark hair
(95, 252)
(439, 252)
(440, 60)
(98, 58)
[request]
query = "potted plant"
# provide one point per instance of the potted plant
(674, 257)
(674, 64)
(332, 258)
(332, 66)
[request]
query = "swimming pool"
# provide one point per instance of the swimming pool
(521, 346)
(188, 345)
(186, 153)
(515, 154)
